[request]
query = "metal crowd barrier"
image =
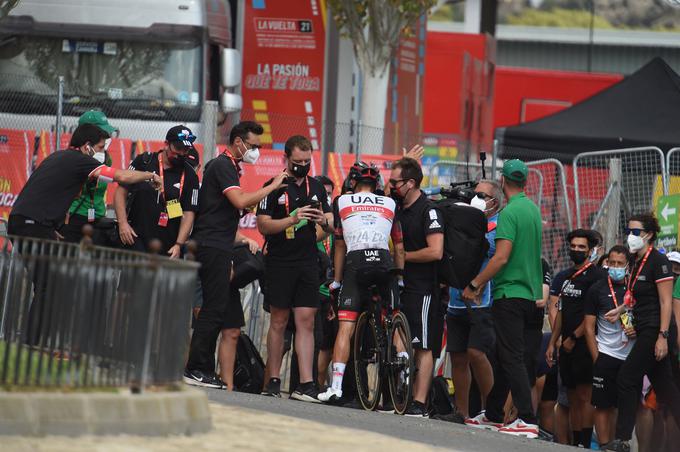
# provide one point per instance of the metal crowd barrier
(75, 315)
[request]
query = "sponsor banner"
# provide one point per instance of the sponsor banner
(16, 151)
(283, 65)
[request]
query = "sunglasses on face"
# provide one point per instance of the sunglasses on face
(252, 147)
(483, 196)
(190, 137)
(634, 231)
(394, 182)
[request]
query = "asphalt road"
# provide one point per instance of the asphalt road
(435, 433)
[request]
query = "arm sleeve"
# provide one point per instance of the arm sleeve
(433, 221)
(507, 226)
(662, 270)
(337, 220)
(396, 234)
(86, 165)
(226, 175)
(267, 205)
(190, 193)
(556, 285)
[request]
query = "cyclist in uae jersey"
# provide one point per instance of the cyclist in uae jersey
(364, 225)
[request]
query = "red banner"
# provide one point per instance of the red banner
(16, 152)
(283, 64)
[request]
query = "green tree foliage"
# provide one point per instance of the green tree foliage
(375, 27)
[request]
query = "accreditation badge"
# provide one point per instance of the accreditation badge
(174, 209)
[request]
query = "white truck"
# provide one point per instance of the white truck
(148, 64)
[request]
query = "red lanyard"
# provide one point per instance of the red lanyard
(572, 277)
(286, 201)
(160, 170)
(631, 282)
(611, 289)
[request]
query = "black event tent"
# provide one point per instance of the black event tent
(641, 110)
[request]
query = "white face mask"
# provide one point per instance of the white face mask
(478, 203)
(635, 243)
(251, 155)
(99, 156)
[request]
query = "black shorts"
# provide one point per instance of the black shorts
(605, 372)
(294, 286)
(550, 388)
(353, 295)
(576, 368)
(217, 300)
(465, 331)
(532, 347)
(425, 316)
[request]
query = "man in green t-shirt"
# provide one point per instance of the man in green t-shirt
(517, 274)
(90, 206)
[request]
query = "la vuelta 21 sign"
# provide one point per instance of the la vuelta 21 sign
(283, 62)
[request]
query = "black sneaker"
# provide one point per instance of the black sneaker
(416, 409)
(617, 446)
(203, 379)
(273, 388)
(306, 392)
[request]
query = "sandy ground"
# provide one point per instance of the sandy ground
(234, 428)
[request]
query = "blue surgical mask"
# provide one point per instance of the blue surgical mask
(617, 274)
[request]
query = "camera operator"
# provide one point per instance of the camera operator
(423, 235)
(288, 219)
(471, 335)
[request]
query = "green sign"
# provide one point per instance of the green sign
(667, 210)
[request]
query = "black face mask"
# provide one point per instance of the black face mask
(577, 257)
(300, 171)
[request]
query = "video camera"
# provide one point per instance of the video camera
(460, 191)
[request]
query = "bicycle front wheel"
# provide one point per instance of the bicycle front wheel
(367, 361)
(400, 363)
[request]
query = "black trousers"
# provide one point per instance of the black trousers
(214, 275)
(510, 375)
(25, 227)
(641, 362)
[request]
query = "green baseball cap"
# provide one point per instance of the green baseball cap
(97, 118)
(515, 170)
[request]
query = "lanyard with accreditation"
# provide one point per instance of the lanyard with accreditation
(173, 208)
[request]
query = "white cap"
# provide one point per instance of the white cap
(674, 256)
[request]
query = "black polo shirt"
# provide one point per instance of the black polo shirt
(218, 219)
(647, 308)
(417, 222)
(538, 314)
(147, 205)
(573, 294)
(52, 187)
(302, 247)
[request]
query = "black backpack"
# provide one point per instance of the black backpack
(249, 367)
(465, 244)
(248, 267)
(441, 402)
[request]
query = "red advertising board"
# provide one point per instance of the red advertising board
(16, 151)
(403, 117)
(283, 64)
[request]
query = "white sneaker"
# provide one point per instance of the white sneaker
(480, 421)
(520, 428)
(331, 395)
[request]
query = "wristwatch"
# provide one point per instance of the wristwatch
(473, 287)
(664, 334)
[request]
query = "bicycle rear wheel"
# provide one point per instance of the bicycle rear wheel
(400, 367)
(367, 366)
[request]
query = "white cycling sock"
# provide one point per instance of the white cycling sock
(338, 374)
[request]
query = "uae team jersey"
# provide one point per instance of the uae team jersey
(366, 221)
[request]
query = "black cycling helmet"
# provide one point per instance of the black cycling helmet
(368, 174)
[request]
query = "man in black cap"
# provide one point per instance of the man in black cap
(167, 215)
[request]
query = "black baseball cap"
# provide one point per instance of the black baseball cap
(182, 136)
